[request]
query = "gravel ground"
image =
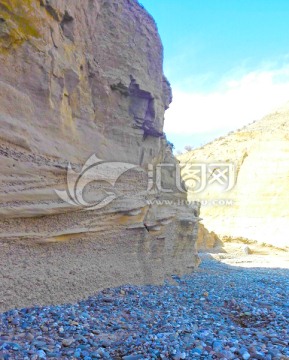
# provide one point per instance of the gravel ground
(219, 312)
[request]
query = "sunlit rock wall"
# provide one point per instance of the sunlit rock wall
(80, 79)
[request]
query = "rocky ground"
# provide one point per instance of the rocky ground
(236, 306)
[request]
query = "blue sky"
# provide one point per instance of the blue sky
(227, 61)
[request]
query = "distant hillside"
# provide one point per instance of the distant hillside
(258, 205)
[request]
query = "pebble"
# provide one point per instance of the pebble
(217, 312)
(68, 342)
(41, 354)
(246, 355)
(217, 346)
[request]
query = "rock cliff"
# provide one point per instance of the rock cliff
(256, 207)
(207, 240)
(83, 80)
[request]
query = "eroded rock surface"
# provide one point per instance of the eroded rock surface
(80, 78)
(256, 207)
(207, 240)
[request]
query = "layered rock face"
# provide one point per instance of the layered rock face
(257, 205)
(83, 80)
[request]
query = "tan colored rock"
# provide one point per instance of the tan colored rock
(257, 206)
(207, 240)
(80, 79)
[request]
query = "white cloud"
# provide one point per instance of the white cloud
(238, 101)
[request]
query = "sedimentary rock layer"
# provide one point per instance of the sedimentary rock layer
(257, 205)
(84, 80)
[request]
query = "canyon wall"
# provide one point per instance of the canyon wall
(254, 163)
(82, 89)
(207, 241)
